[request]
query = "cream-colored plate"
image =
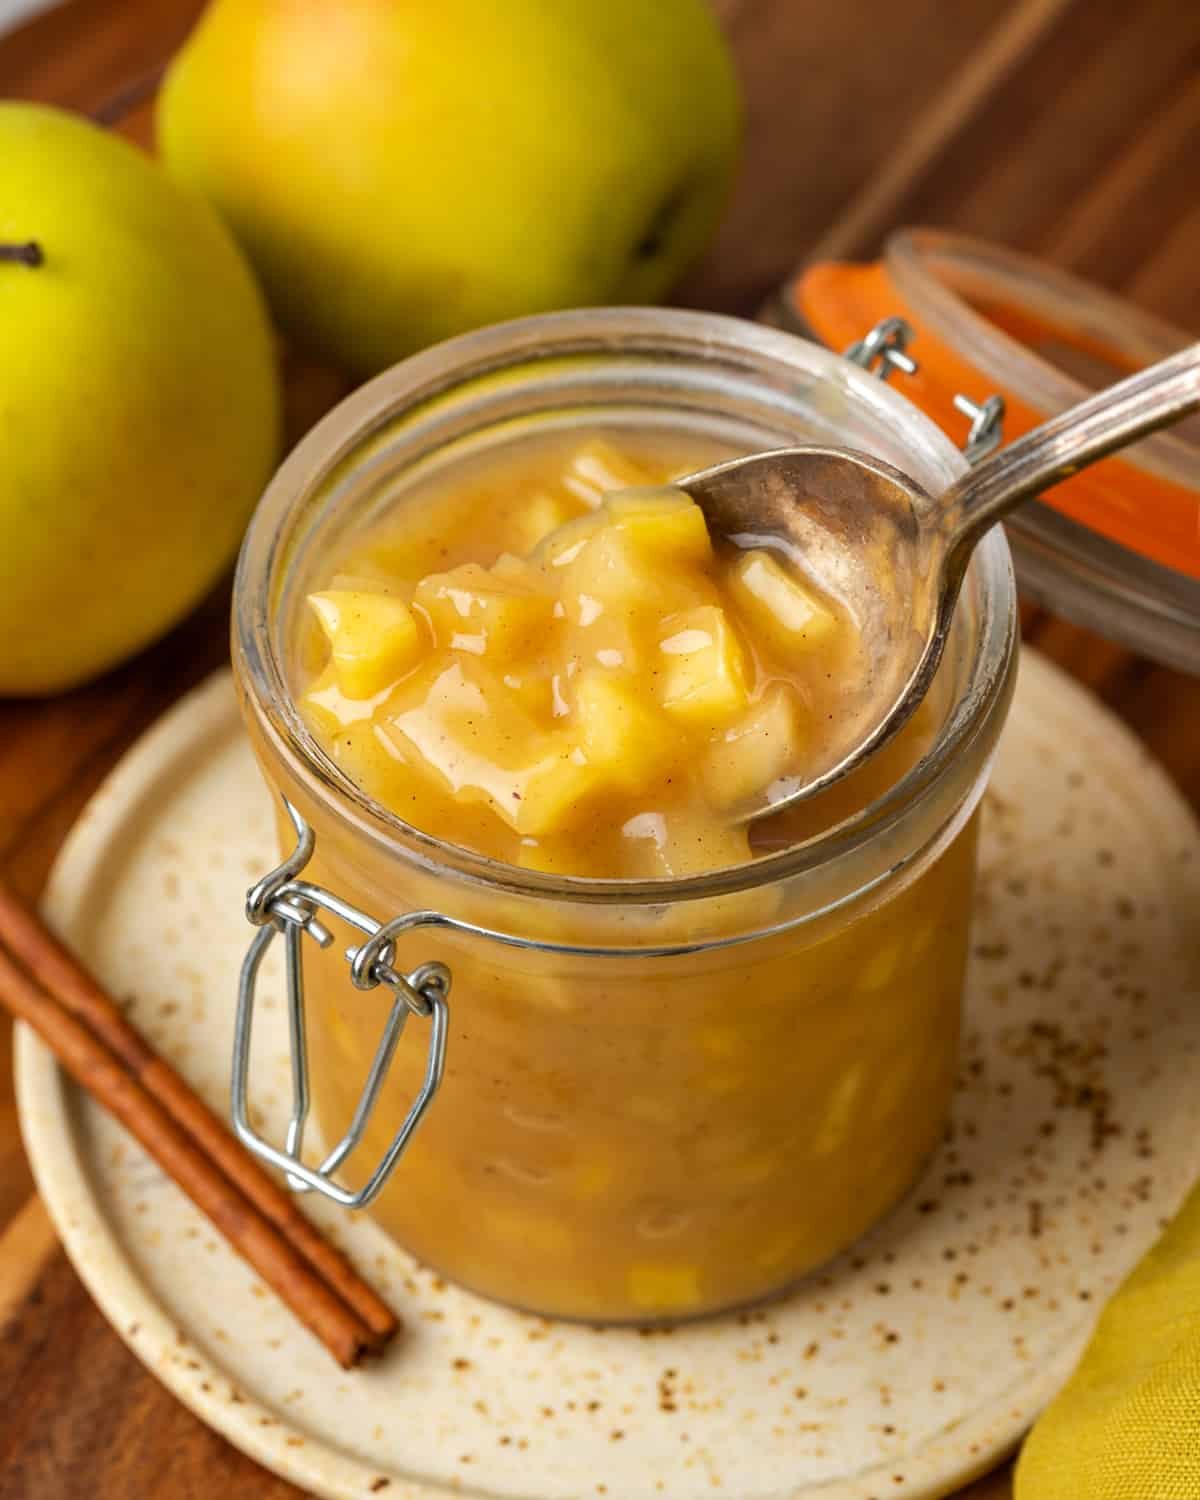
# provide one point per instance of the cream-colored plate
(907, 1367)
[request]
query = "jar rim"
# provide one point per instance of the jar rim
(330, 446)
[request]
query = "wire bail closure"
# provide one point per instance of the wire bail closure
(987, 425)
(884, 348)
(282, 903)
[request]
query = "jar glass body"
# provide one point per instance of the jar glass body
(667, 1098)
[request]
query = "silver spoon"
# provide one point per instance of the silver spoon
(896, 555)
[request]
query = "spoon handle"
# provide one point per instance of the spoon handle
(1155, 397)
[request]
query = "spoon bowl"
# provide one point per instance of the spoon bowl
(895, 556)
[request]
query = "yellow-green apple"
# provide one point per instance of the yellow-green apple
(139, 401)
(402, 170)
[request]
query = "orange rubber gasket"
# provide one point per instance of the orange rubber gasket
(1143, 511)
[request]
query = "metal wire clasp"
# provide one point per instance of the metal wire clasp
(987, 425)
(884, 348)
(283, 903)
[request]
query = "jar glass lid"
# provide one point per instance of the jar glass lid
(1117, 547)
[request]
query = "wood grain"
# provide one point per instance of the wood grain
(829, 89)
(89, 53)
(1067, 127)
(1001, 50)
(25, 1246)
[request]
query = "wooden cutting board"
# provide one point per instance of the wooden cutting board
(1065, 127)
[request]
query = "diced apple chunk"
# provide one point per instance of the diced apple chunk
(560, 547)
(554, 794)
(541, 515)
(481, 612)
(576, 851)
(663, 523)
(664, 1287)
(755, 751)
(703, 677)
(527, 1233)
(323, 701)
(472, 738)
(611, 642)
(598, 468)
(610, 571)
(549, 856)
(594, 1175)
(467, 731)
(519, 572)
(365, 579)
(373, 638)
(839, 1117)
(331, 709)
(366, 755)
(672, 845)
(778, 605)
(532, 689)
(622, 733)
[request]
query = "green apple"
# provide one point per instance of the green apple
(139, 400)
(403, 170)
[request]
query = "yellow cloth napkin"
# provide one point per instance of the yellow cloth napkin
(1127, 1424)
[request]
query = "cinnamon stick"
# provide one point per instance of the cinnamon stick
(85, 1029)
(30, 940)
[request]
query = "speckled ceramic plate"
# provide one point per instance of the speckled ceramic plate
(908, 1366)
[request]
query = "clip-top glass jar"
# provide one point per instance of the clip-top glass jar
(662, 1098)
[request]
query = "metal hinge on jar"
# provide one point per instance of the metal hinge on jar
(885, 348)
(281, 903)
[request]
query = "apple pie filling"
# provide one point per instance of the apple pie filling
(601, 695)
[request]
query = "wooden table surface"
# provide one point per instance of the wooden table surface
(1066, 127)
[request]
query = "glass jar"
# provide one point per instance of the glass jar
(663, 1098)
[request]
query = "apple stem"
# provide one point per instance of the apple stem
(28, 253)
